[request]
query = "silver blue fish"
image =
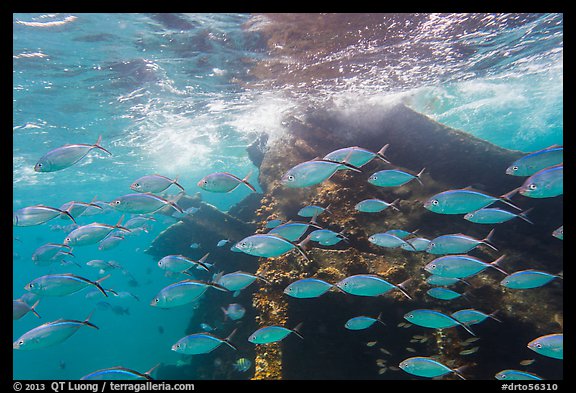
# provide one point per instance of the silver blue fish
(66, 156)
(293, 231)
(375, 205)
(62, 284)
(527, 279)
(461, 266)
(401, 233)
(458, 243)
(313, 172)
(109, 242)
(313, 210)
(48, 252)
(181, 263)
(393, 178)
(142, 203)
(324, 235)
(274, 333)
(222, 182)
(50, 333)
(534, 162)
(222, 242)
(443, 293)
(138, 222)
(516, 375)
(265, 245)
(272, 223)
(495, 216)
(443, 281)
(357, 156)
(200, 343)
(416, 244)
(471, 316)
(427, 367)
(433, 319)
(238, 280)
(362, 322)
(307, 288)
(550, 345)
(119, 374)
(37, 215)
(546, 183)
(389, 241)
(154, 183)
(92, 233)
(369, 285)
(463, 201)
(77, 208)
(234, 311)
(21, 308)
(182, 292)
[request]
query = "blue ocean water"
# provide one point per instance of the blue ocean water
(177, 95)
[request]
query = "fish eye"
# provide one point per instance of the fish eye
(205, 182)
(372, 177)
(136, 185)
(503, 376)
(435, 202)
(410, 316)
(157, 300)
(432, 244)
(116, 202)
(515, 168)
(290, 177)
(538, 345)
(39, 164)
(532, 186)
(432, 266)
(20, 342)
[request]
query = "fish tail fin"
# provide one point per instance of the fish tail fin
(466, 327)
(259, 277)
(67, 213)
(493, 316)
(524, 215)
(302, 246)
(88, 323)
(496, 262)
(418, 175)
(402, 288)
(97, 284)
(379, 319)
(218, 286)
(202, 260)
(175, 182)
(148, 374)
(176, 207)
(227, 340)
(488, 240)
(380, 153)
(458, 371)
(327, 208)
(225, 313)
(33, 308)
(351, 167)
(245, 181)
(394, 204)
(506, 198)
(297, 329)
(98, 146)
(314, 222)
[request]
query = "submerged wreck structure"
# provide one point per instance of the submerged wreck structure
(452, 159)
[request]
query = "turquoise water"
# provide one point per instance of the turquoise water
(176, 95)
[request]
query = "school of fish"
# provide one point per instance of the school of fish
(543, 171)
